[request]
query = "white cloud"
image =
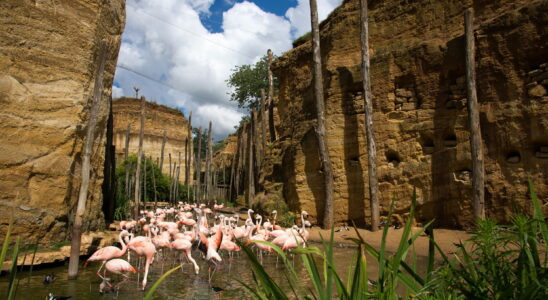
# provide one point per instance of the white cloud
(166, 41)
(299, 16)
(117, 92)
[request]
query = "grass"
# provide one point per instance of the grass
(12, 282)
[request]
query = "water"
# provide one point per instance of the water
(182, 284)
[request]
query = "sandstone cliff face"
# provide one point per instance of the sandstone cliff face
(158, 118)
(49, 55)
(418, 84)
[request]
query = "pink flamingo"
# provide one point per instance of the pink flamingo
(186, 246)
(144, 248)
(120, 267)
(108, 252)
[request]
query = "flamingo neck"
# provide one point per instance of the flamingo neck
(124, 245)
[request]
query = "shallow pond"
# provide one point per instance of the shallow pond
(182, 284)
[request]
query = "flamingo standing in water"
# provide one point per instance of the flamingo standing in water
(109, 252)
(185, 245)
(146, 248)
(120, 267)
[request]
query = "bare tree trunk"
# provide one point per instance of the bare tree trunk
(263, 128)
(189, 161)
(139, 157)
(176, 188)
(368, 105)
(126, 162)
(144, 178)
(256, 152)
(76, 237)
(320, 127)
(162, 152)
(473, 115)
(250, 168)
(271, 99)
(154, 186)
(198, 165)
(208, 164)
(170, 178)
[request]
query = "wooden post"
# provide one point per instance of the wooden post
(154, 186)
(263, 128)
(126, 162)
(320, 126)
(198, 165)
(170, 180)
(144, 177)
(208, 164)
(250, 169)
(137, 200)
(473, 116)
(368, 105)
(256, 152)
(86, 166)
(162, 152)
(271, 99)
(188, 172)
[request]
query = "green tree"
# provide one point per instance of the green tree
(247, 82)
(161, 181)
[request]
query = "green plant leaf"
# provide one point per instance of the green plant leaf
(150, 292)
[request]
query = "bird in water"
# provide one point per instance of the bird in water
(49, 278)
(105, 287)
(51, 296)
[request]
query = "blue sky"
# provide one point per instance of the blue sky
(213, 21)
(180, 52)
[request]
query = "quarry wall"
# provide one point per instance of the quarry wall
(158, 118)
(49, 55)
(420, 115)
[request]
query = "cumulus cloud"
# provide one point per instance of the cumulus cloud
(176, 61)
(299, 16)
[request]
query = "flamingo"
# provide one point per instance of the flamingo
(143, 247)
(186, 246)
(108, 252)
(120, 267)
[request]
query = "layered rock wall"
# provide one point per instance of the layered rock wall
(158, 119)
(49, 55)
(420, 115)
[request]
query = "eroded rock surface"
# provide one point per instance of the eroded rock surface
(420, 115)
(49, 55)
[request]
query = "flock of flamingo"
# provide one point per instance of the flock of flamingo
(185, 228)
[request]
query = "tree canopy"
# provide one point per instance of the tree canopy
(247, 82)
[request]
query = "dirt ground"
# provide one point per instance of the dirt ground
(444, 237)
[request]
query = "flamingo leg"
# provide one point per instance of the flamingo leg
(146, 273)
(99, 271)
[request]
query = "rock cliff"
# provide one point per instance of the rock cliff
(159, 118)
(418, 85)
(49, 55)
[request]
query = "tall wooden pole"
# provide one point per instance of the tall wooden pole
(320, 126)
(162, 151)
(170, 178)
(368, 105)
(255, 147)
(154, 186)
(198, 165)
(263, 127)
(126, 162)
(271, 98)
(144, 177)
(250, 171)
(473, 116)
(137, 200)
(76, 237)
(208, 164)
(188, 172)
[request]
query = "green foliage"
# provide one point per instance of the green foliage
(161, 182)
(156, 284)
(501, 261)
(504, 263)
(12, 286)
(247, 82)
